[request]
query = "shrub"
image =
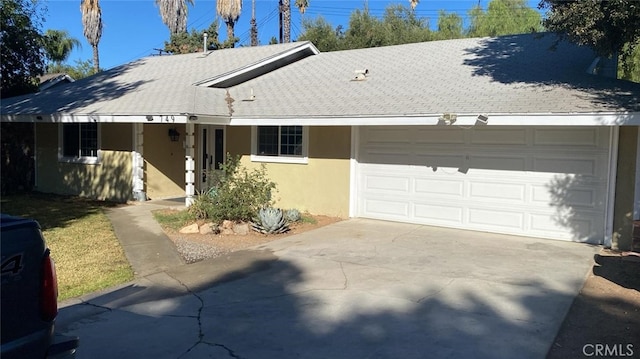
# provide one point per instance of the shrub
(235, 193)
(292, 215)
(270, 220)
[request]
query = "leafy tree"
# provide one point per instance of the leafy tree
(398, 26)
(174, 14)
(229, 11)
(22, 58)
(81, 69)
(606, 26)
(364, 31)
(321, 34)
(186, 43)
(449, 26)
(629, 63)
(92, 24)
(609, 27)
(58, 45)
(504, 17)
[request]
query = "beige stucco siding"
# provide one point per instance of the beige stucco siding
(322, 185)
(625, 189)
(110, 179)
(164, 162)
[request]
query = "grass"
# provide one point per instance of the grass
(172, 219)
(87, 254)
(307, 218)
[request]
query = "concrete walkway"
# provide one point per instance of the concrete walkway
(146, 246)
(354, 289)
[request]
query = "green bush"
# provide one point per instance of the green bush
(235, 193)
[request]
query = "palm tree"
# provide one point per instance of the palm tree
(254, 24)
(92, 23)
(414, 3)
(229, 11)
(174, 14)
(302, 7)
(58, 45)
(286, 20)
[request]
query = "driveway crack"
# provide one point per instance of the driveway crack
(344, 274)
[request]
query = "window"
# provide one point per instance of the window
(279, 144)
(79, 142)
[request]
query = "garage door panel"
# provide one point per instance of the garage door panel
(497, 162)
(387, 183)
(495, 137)
(492, 218)
(439, 136)
(440, 160)
(570, 136)
(438, 214)
(387, 208)
(537, 181)
(439, 187)
(495, 191)
(583, 227)
(566, 165)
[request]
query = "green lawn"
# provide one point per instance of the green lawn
(87, 254)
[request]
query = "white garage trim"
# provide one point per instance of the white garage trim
(550, 182)
(611, 195)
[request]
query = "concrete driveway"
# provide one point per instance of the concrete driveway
(354, 289)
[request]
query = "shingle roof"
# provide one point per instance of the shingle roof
(505, 75)
(517, 74)
(149, 86)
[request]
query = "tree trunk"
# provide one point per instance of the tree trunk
(230, 35)
(286, 21)
(96, 59)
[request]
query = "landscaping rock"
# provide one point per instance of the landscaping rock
(207, 228)
(226, 231)
(226, 224)
(191, 229)
(241, 229)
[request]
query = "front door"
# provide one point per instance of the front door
(212, 153)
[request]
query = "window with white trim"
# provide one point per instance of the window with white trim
(280, 144)
(79, 142)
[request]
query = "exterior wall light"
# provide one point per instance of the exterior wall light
(174, 135)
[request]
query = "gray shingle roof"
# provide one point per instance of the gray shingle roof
(505, 75)
(517, 74)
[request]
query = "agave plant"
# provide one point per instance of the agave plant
(292, 215)
(269, 221)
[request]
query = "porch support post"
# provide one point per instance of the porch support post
(138, 163)
(189, 164)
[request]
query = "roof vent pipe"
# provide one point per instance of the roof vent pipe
(204, 48)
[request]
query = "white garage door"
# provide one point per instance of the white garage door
(548, 182)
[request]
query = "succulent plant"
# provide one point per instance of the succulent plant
(270, 220)
(292, 215)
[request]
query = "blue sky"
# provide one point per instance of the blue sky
(133, 28)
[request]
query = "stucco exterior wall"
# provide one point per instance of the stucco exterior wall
(625, 188)
(319, 187)
(110, 179)
(164, 162)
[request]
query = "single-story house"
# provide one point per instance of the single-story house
(513, 134)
